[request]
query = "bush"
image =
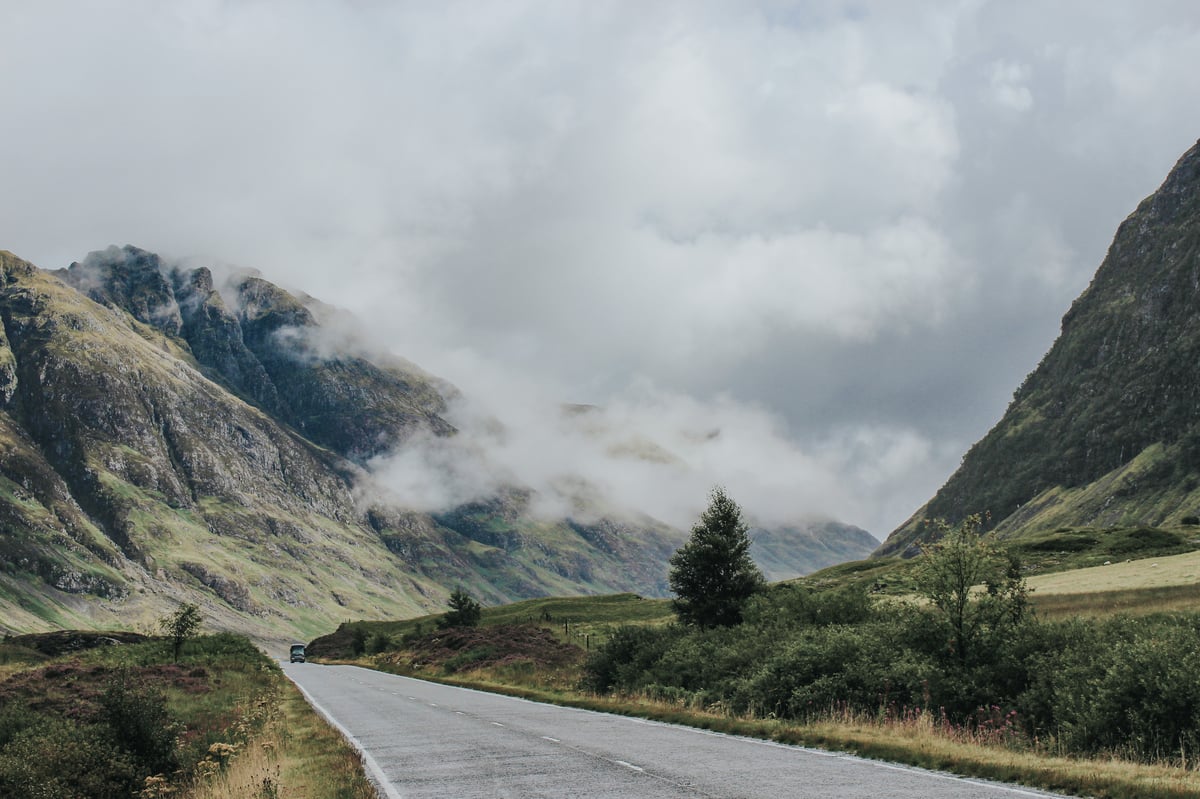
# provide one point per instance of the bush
(464, 611)
(139, 719)
(56, 758)
(1126, 686)
(15, 719)
(623, 661)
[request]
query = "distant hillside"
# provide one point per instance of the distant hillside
(168, 435)
(1106, 430)
(796, 550)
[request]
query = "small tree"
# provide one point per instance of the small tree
(464, 611)
(358, 639)
(180, 626)
(712, 575)
(951, 572)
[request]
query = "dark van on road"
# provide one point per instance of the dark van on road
(297, 653)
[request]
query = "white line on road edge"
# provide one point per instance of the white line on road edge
(628, 765)
(376, 775)
(940, 775)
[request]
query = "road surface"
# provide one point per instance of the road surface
(422, 739)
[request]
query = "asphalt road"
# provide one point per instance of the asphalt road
(422, 739)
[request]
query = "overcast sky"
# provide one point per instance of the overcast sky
(809, 249)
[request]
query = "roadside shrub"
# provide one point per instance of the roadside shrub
(378, 642)
(821, 668)
(358, 640)
(56, 758)
(791, 605)
(623, 661)
(138, 717)
(1127, 686)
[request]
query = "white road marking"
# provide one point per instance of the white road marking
(377, 774)
(391, 794)
(628, 765)
(551, 740)
(498, 724)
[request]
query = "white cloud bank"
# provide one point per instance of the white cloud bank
(839, 232)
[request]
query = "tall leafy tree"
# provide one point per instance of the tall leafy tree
(976, 589)
(712, 575)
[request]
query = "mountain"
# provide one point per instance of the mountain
(167, 435)
(795, 550)
(1106, 430)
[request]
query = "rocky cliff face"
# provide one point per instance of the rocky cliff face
(267, 346)
(1106, 430)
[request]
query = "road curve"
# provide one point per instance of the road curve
(422, 739)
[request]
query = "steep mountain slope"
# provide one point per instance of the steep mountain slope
(1106, 430)
(129, 478)
(168, 436)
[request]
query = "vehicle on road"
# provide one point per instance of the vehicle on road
(297, 653)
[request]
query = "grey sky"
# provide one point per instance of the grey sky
(839, 233)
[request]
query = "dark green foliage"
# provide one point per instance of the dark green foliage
(464, 611)
(181, 625)
(58, 758)
(624, 661)
(712, 575)
(15, 717)
(793, 604)
(1144, 539)
(358, 640)
(378, 643)
(139, 719)
(96, 723)
(948, 572)
(1121, 685)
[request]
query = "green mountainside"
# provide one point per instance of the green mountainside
(1106, 431)
(165, 438)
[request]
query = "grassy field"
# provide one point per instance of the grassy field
(1136, 587)
(585, 621)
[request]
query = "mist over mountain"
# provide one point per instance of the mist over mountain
(1106, 430)
(174, 432)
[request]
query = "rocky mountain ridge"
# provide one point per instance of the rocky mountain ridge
(168, 436)
(1106, 430)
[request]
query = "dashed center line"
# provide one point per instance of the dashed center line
(551, 740)
(497, 724)
(628, 765)
(459, 713)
